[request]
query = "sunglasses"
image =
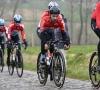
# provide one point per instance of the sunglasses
(17, 21)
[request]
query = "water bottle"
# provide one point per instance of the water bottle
(48, 59)
(13, 56)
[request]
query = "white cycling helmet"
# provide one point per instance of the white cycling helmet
(17, 18)
(52, 3)
(2, 22)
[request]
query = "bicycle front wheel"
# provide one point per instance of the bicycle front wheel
(93, 72)
(19, 63)
(41, 71)
(1, 60)
(11, 67)
(59, 69)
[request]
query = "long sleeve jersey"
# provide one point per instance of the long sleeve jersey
(13, 30)
(96, 14)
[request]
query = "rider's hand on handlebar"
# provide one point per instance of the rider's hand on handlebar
(26, 44)
(66, 47)
(46, 46)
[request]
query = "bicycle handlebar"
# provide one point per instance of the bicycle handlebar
(51, 42)
(18, 43)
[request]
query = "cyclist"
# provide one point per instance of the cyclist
(47, 26)
(46, 13)
(58, 35)
(13, 28)
(3, 29)
(95, 25)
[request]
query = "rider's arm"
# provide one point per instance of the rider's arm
(64, 33)
(42, 28)
(65, 37)
(23, 32)
(66, 26)
(6, 33)
(9, 32)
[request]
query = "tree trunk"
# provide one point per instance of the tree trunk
(81, 27)
(2, 7)
(71, 23)
(86, 20)
(15, 8)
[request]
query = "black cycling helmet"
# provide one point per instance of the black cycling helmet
(54, 10)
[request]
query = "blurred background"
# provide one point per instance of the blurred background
(77, 12)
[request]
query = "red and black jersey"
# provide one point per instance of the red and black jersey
(46, 23)
(4, 30)
(13, 30)
(96, 14)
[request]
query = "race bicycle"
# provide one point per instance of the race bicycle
(56, 63)
(16, 60)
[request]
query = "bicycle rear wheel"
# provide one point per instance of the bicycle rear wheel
(41, 71)
(59, 69)
(19, 63)
(93, 72)
(1, 60)
(11, 67)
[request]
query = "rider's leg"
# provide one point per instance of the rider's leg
(44, 38)
(43, 51)
(64, 54)
(8, 53)
(16, 39)
(2, 47)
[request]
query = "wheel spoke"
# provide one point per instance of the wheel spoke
(19, 63)
(59, 69)
(93, 72)
(41, 71)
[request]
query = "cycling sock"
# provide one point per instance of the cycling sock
(42, 56)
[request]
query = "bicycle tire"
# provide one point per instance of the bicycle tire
(59, 69)
(1, 60)
(19, 66)
(11, 67)
(42, 75)
(93, 70)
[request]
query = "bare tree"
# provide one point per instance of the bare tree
(2, 7)
(16, 4)
(81, 27)
(71, 23)
(88, 6)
